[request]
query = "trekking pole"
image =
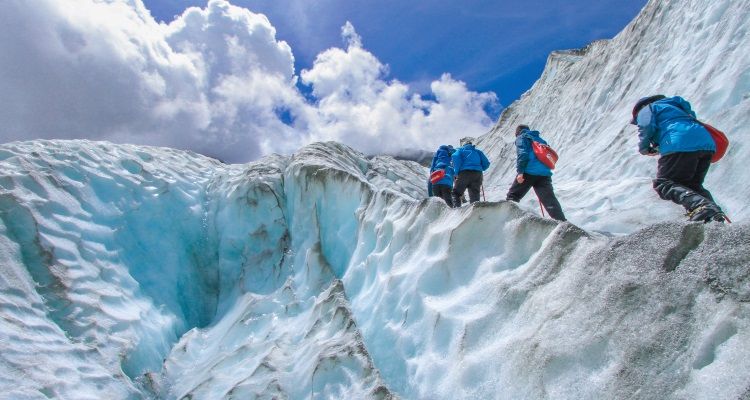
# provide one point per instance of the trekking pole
(540, 205)
(483, 198)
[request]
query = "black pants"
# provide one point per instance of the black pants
(543, 187)
(680, 176)
(467, 179)
(444, 192)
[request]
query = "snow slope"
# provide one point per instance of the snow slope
(582, 103)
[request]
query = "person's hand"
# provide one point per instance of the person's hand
(651, 151)
(519, 178)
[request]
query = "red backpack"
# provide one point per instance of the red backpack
(437, 175)
(720, 139)
(545, 154)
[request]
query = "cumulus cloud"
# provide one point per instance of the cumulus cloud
(216, 80)
(359, 107)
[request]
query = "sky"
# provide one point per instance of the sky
(498, 46)
(240, 79)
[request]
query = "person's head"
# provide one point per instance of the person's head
(521, 128)
(447, 148)
(466, 140)
(643, 102)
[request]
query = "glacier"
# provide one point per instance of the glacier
(153, 273)
(135, 272)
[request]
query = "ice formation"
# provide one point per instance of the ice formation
(142, 272)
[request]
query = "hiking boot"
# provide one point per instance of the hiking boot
(706, 213)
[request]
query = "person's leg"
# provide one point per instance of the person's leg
(518, 190)
(475, 186)
(459, 186)
(674, 174)
(444, 192)
(703, 162)
(543, 189)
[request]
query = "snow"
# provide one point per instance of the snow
(144, 272)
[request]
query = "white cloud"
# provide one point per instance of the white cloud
(359, 107)
(215, 80)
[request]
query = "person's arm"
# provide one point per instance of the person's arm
(434, 161)
(522, 154)
(647, 144)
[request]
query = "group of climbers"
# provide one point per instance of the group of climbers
(463, 169)
(667, 127)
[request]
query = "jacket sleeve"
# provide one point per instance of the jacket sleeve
(647, 139)
(522, 153)
(457, 161)
(484, 161)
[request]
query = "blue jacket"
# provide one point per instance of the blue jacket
(526, 160)
(670, 124)
(469, 158)
(442, 160)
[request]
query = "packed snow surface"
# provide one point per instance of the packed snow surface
(132, 272)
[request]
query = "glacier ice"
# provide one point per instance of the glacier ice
(142, 272)
(146, 272)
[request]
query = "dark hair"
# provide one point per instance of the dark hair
(521, 127)
(643, 102)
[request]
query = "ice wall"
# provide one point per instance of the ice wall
(111, 240)
(582, 102)
(113, 256)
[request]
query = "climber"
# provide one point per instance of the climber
(442, 161)
(468, 165)
(668, 126)
(533, 173)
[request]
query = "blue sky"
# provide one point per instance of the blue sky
(498, 46)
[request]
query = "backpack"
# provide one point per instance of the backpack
(721, 140)
(545, 154)
(437, 175)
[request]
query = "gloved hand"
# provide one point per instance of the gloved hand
(651, 151)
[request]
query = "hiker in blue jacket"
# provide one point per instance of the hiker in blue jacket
(531, 173)
(468, 165)
(668, 126)
(443, 187)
